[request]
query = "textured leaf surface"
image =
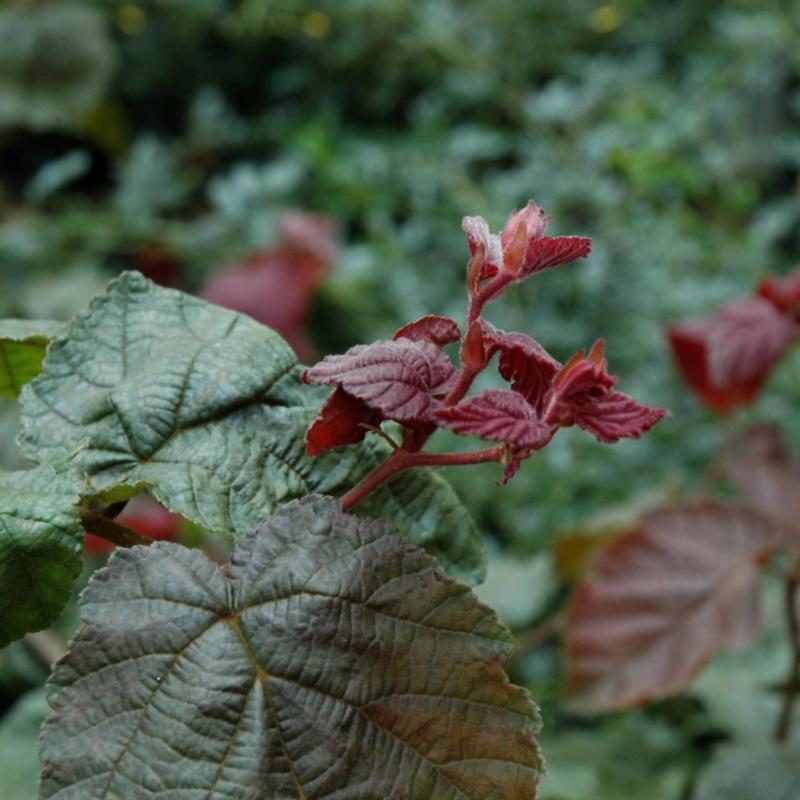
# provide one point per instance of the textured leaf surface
(19, 760)
(22, 346)
(331, 659)
(437, 330)
(205, 406)
(553, 251)
(660, 601)
(399, 378)
(41, 540)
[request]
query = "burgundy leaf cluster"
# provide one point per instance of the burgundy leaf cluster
(727, 356)
(412, 380)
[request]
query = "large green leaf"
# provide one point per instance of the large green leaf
(19, 760)
(22, 346)
(207, 407)
(329, 659)
(41, 540)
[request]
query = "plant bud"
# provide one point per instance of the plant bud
(475, 269)
(515, 252)
(473, 352)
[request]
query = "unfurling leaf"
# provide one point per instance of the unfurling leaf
(726, 357)
(41, 540)
(401, 379)
(549, 252)
(523, 362)
(206, 408)
(582, 396)
(331, 658)
(22, 346)
(660, 601)
(436, 330)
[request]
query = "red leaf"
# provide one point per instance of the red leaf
(582, 395)
(614, 416)
(523, 362)
(340, 422)
(401, 379)
(661, 601)
(783, 293)
(499, 415)
(768, 477)
(726, 357)
(275, 286)
(549, 252)
(534, 220)
(437, 330)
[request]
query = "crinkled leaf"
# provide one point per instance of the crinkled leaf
(499, 415)
(478, 235)
(437, 330)
(41, 540)
(553, 251)
(768, 477)
(762, 770)
(398, 378)
(19, 759)
(615, 415)
(206, 407)
(523, 362)
(330, 659)
(659, 602)
(22, 346)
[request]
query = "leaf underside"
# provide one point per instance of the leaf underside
(330, 660)
(22, 347)
(660, 601)
(41, 540)
(206, 406)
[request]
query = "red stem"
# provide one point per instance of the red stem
(402, 460)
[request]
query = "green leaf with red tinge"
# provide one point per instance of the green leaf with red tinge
(660, 601)
(329, 659)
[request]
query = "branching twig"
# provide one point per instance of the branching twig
(114, 532)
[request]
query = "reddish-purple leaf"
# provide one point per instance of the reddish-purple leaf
(437, 330)
(531, 217)
(783, 293)
(499, 415)
(582, 395)
(659, 602)
(340, 421)
(401, 379)
(549, 252)
(765, 473)
(614, 416)
(726, 357)
(523, 362)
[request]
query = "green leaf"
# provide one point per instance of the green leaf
(19, 760)
(22, 346)
(754, 769)
(41, 540)
(206, 406)
(330, 658)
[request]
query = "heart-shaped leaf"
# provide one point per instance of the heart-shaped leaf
(659, 602)
(22, 346)
(41, 540)
(206, 407)
(329, 659)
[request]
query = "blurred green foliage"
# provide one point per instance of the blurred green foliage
(666, 129)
